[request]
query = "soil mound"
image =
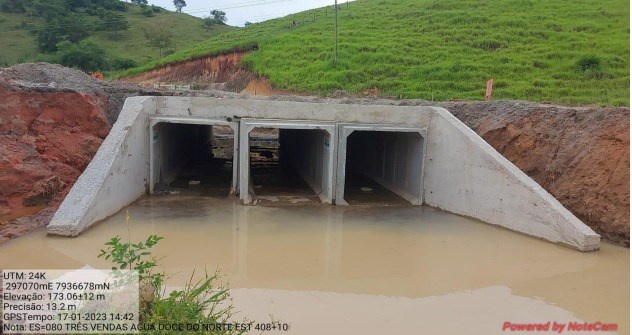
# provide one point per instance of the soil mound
(53, 78)
(52, 121)
(217, 72)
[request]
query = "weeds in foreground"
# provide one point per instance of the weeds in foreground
(197, 306)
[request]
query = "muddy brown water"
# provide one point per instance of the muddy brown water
(21, 212)
(337, 270)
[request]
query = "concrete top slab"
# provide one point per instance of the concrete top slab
(271, 109)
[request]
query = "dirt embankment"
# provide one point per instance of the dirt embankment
(580, 155)
(217, 72)
(221, 72)
(52, 121)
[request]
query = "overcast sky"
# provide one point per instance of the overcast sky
(240, 11)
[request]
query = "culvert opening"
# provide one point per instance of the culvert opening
(287, 165)
(193, 159)
(383, 167)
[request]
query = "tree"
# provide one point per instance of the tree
(218, 15)
(119, 63)
(209, 22)
(158, 37)
(140, 2)
(70, 27)
(13, 6)
(114, 22)
(179, 4)
(248, 23)
(85, 55)
(49, 10)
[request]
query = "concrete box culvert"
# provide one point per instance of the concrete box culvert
(309, 146)
(170, 137)
(391, 156)
(461, 172)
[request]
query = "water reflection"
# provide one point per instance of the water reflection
(412, 252)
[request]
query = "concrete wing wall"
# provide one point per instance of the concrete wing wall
(116, 176)
(465, 175)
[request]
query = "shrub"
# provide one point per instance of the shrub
(23, 25)
(210, 22)
(200, 302)
(12, 6)
(85, 55)
(71, 27)
(118, 6)
(147, 12)
(588, 63)
(119, 63)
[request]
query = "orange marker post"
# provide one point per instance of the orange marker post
(488, 91)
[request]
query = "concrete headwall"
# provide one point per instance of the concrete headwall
(462, 173)
(116, 176)
(465, 175)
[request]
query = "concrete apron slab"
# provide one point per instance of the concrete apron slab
(320, 176)
(461, 173)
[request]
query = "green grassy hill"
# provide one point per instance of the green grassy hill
(19, 43)
(570, 52)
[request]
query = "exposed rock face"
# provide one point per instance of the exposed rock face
(52, 121)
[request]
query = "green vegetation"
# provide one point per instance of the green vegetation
(203, 302)
(570, 52)
(85, 55)
(33, 29)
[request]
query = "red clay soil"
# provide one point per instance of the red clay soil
(46, 140)
(49, 132)
(580, 155)
(202, 72)
(217, 72)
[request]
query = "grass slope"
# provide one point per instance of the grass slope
(444, 49)
(20, 43)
